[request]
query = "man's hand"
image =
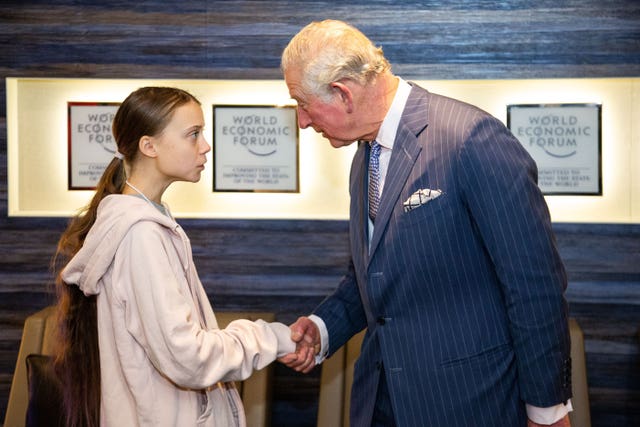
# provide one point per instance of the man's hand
(306, 335)
(305, 331)
(564, 422)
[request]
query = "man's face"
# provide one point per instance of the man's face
(331, 119)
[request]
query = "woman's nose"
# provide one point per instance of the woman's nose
(206, 147)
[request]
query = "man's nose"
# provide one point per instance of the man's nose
(303, 119)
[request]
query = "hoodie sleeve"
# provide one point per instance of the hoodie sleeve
(160, 313)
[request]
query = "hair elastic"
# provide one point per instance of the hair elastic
(118, 155)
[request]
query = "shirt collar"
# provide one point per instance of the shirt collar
(389, 127)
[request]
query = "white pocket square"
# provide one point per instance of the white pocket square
(419, 198)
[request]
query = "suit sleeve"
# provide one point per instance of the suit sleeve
(342, 312)
(499, 181)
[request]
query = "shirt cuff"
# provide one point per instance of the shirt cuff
(548, 415)
(324, 338)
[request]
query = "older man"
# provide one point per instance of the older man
(454, 270)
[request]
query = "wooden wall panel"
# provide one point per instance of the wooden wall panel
(603, 268)
(288, 266)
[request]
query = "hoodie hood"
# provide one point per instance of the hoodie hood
(116, 215)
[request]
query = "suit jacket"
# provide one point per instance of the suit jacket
(462, 297)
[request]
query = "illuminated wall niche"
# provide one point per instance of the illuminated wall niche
(38, 154)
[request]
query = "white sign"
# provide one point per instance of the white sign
(91, 143)
(255, 148)
(565, 142)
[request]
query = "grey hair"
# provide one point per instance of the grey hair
(330, 51)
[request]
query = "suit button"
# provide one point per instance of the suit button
(381, 320)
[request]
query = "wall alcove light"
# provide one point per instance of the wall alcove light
(37, 127)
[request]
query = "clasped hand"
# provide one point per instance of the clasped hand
(306, 335)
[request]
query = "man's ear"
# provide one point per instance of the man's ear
(344, 93)
(146, 145)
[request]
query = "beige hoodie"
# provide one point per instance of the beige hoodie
(163, 360)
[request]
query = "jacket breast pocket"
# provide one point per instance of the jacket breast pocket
(425, 212)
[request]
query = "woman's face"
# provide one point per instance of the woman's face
(181, 147)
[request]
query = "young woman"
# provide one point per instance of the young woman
(139, 343)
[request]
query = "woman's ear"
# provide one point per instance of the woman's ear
(146, 145)
(345, 95)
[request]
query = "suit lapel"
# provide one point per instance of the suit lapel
(406, 150)
(359, 221)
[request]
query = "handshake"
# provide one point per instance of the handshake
(306, 335)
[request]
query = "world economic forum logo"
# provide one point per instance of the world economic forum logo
(556, 135)
(255, 148)
(564, 140)
(258, 134)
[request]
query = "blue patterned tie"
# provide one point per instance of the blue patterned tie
(374, 180)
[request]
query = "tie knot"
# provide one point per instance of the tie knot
(375, 147)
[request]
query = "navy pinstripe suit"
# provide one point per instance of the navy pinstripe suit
(462, 296)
